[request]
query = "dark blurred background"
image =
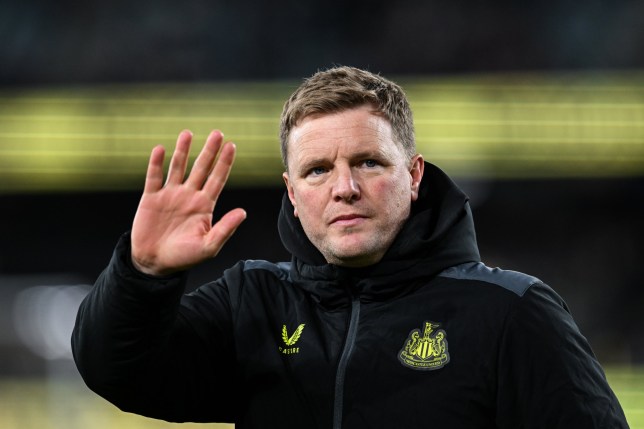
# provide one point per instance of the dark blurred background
(116, 41)
(581, 234)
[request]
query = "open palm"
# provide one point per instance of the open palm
(173, 228)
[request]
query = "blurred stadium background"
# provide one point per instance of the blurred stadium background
(536, 109)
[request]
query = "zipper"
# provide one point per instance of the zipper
(338, 402)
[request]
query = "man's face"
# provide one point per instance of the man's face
(351, 184)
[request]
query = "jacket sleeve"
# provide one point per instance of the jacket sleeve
(548, 376)
(145, 347)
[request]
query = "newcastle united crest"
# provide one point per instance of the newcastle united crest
(427, 350)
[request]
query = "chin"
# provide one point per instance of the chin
(354, 259)
(353, 250)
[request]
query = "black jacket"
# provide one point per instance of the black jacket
(427, 338)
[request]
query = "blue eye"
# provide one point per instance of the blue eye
(370, 163)
(318, 170)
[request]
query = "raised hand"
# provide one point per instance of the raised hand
(173, 228)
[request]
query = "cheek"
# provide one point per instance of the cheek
(393, 192)
(307, 202)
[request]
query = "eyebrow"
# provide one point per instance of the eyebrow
(370, 154)
(367, 154)
(310, 163)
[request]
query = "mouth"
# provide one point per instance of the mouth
(348, 219)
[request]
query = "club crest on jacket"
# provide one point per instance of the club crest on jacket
(427, 351)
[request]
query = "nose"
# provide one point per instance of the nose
(345, 186)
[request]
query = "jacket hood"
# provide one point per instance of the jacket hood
(438, 234)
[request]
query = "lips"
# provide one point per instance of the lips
(347, 219)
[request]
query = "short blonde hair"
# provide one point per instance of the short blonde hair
(342, 88)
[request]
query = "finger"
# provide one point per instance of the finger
(223, 230)
(154, 175)
(217, 179)
(179, 161)
(205, 161)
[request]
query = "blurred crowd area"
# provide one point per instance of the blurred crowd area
(147, 40)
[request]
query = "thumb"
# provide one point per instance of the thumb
(223, 230)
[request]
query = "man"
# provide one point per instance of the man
(385, 316)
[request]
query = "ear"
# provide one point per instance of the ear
(290, 191)
(416, 174)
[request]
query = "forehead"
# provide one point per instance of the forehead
(351, 129)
